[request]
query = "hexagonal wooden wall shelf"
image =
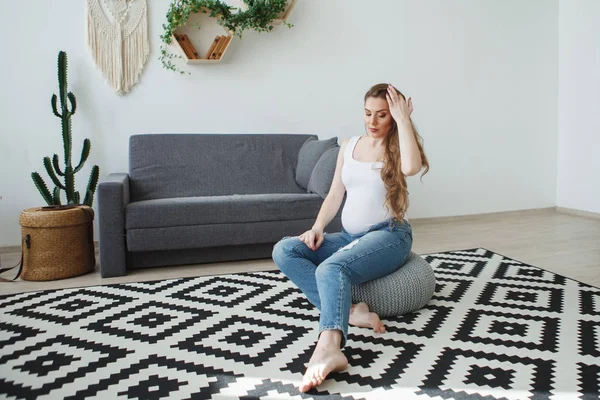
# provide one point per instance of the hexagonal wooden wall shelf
(201, 49)
(283, 16)
(286, 13)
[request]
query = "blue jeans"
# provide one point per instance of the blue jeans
(327, 274)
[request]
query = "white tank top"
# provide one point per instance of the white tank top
(365, 198)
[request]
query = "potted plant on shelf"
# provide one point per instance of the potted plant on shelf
(58, 239)
(256, 15)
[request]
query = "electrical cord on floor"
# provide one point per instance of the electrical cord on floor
(2, 270)
(26, 242)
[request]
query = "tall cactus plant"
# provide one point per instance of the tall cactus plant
(52, 166)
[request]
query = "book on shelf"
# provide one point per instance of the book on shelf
(212, 47)
(221, 39)
(180, 39)
(219, 47)
(191, 47)
(181, 45)
(223, 47)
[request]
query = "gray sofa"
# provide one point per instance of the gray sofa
(199, 198)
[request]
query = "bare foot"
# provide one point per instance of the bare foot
(322, 362)
(361, 316)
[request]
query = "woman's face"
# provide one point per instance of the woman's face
(378, 120)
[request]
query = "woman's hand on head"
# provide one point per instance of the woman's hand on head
(399, 107)
(312, 238)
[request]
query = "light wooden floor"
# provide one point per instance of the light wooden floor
(566, 244)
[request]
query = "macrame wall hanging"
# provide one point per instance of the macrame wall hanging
(117, 36)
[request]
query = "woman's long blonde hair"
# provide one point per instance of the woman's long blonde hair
(394, 180)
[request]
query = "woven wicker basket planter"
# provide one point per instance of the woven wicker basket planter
(57, 242)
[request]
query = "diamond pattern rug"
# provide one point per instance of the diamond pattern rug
(495, 329)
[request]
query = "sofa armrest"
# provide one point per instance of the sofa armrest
(113, 196)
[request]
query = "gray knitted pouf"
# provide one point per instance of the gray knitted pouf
(405, 290)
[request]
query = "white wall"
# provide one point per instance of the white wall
(579, 105)
(482, 75)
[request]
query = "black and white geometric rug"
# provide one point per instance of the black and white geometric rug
(496, 329)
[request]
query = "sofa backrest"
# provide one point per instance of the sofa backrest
(184, 165)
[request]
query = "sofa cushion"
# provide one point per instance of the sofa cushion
(182, 211)
(322, 174)
(308, 156)
(179, 165)
(211, 236)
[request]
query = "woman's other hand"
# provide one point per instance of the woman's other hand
(312, 238)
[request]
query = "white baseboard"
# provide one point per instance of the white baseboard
(10, 249)
(579, 213)
(466, 217)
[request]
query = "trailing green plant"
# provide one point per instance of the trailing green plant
(52, 166)
(258, 16)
